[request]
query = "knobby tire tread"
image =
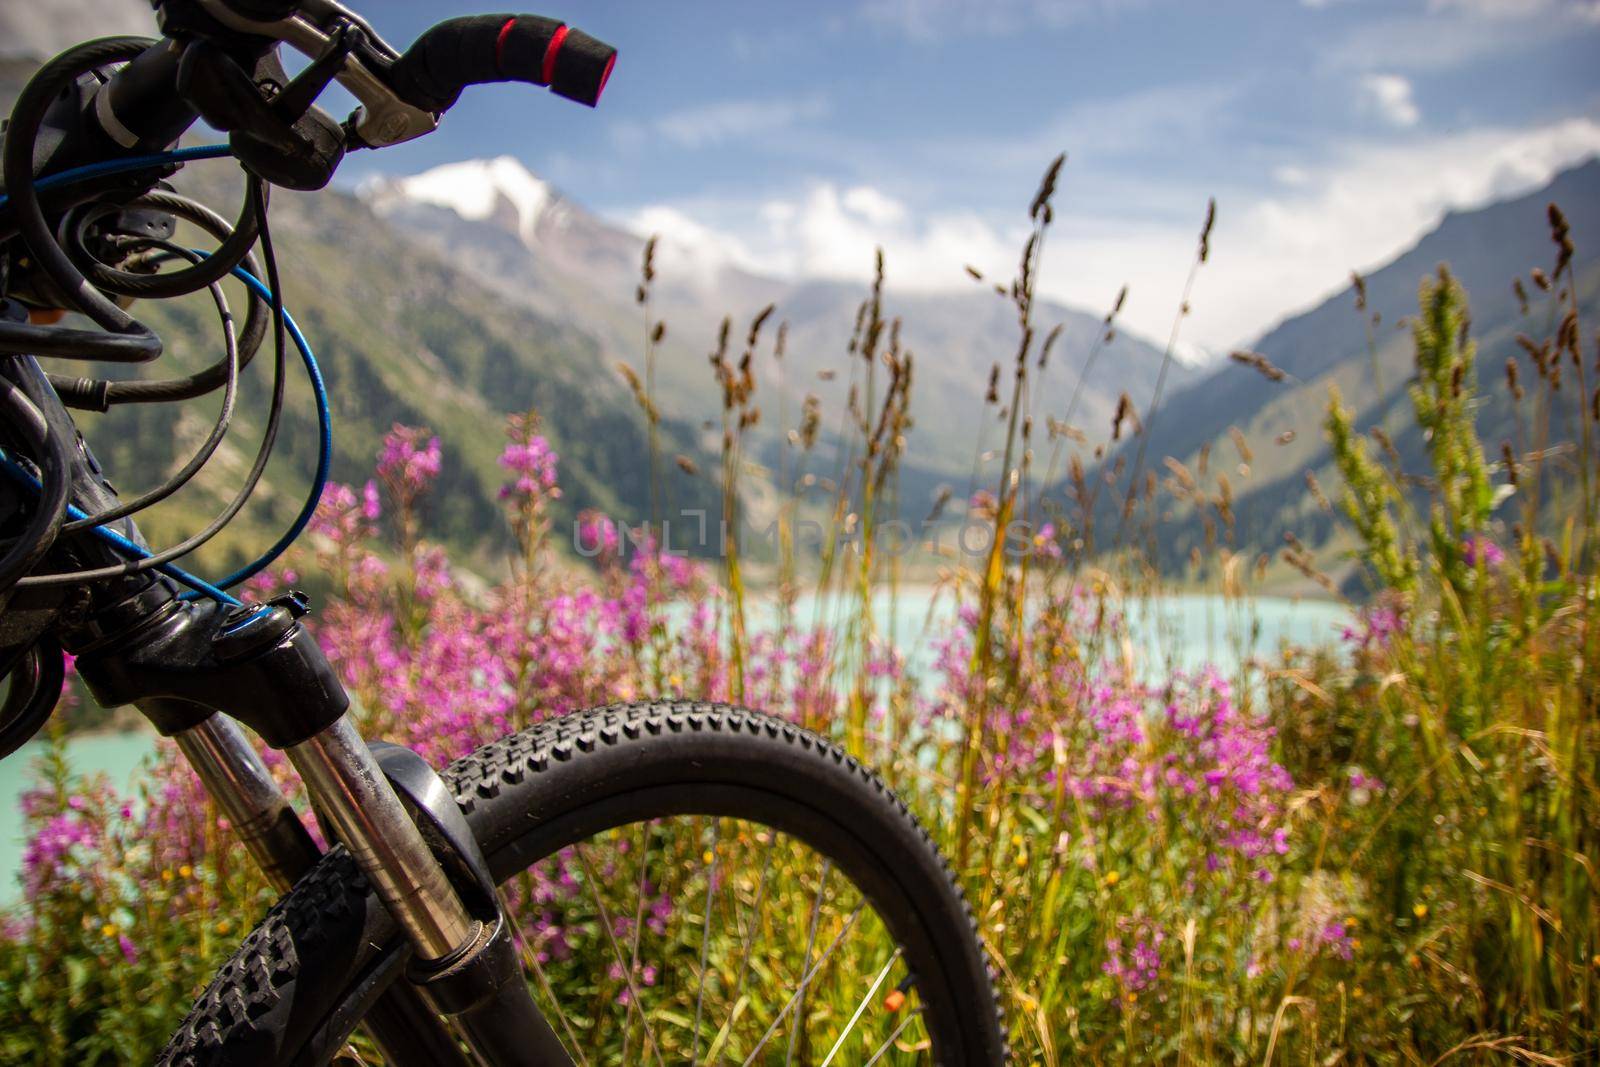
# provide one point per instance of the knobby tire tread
(273, 999)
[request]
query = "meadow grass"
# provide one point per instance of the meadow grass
(1378, 852)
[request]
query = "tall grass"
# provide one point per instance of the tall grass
(1377, 852)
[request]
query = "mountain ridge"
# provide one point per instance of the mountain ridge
(1329, 345)
(574, 263)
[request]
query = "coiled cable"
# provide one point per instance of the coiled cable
(24, 417)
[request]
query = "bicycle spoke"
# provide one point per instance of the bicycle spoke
(638, 924)
(755, 922)
(705, 936)
(862, 1007)
(616, 950)
(715, 1051)
(804, 981)
(811, 940)
(889, 1044)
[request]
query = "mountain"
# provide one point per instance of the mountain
(401, 336)
(1486, 249)
(539, 248)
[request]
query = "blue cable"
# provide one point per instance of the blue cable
(319, 481)
(324, 447)
(201, 587)
(318, 388)
(119, 166)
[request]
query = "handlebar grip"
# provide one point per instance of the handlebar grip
(477, 49)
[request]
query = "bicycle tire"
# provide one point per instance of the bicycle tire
(298, 985)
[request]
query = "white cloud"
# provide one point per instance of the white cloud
(1390, 96)
(827, 232)
(708, 124)
(1290, 247)
(1281, 250)
(691, 249)
(939, 18)
(874, 207)
(43, 29)
(1289, 174)
(1454, 34)
(1505, 9)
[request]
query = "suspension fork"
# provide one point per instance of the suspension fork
(402, 1024)
(180, 663)
(121, 629)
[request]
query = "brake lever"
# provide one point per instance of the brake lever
(383, 118)
(282, 137)
(301, 93)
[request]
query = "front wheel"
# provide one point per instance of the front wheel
(691, 883)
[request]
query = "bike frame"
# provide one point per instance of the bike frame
(196, 670)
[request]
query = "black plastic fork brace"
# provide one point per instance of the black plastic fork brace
(481, 984)
(254, 663)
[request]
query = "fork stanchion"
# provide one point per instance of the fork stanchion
(237, 779)
(348, 786)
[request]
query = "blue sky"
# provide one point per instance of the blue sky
(792, 137)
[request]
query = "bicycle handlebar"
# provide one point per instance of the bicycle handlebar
(218, 58)
(479, 49)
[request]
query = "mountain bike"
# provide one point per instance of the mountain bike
(723, 886)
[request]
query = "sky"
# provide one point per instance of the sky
(792, 138)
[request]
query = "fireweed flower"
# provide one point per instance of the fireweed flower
(596, 536)
(1374, 627)
(1134, 954)
(532, 461)
(1045, 543)
(1474, 549)
(408, 460)
(534, 465)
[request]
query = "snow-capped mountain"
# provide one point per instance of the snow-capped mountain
(503, 196)
(500, 189)
(530, 243)
(513, 229)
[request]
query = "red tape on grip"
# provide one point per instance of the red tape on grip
(552, 50)
(500, 47)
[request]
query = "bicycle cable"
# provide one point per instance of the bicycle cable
(324, 423)
(102, 395)
(269, 438)
(219, 429)
(260, 292)
(127, 339)
(44, 524)
(33, 694)
(20, 474)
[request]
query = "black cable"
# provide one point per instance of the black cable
(269, 438)
(38, 679)
(98, 395)
(27, 116)
(60, 342)
(218, 431)
(24, 417)
(239, 239)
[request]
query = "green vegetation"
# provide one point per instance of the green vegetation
(1382, 852)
